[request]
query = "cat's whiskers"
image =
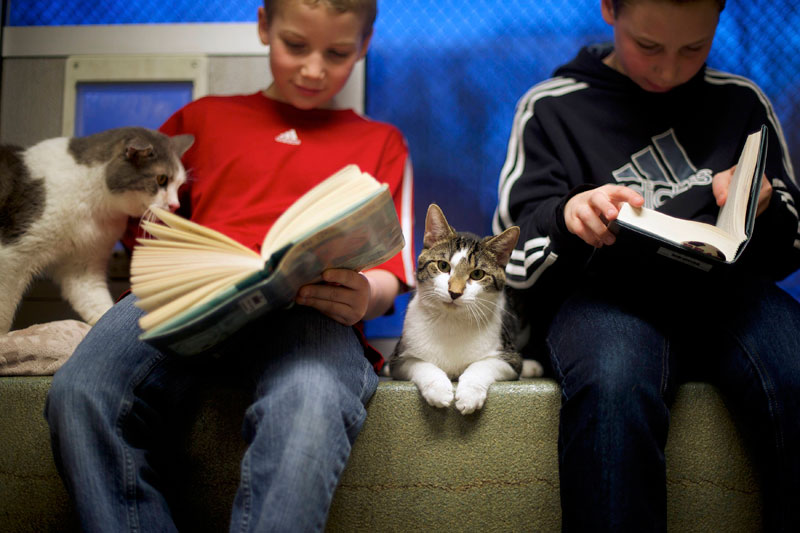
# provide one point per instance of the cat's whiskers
(459, 317)
(477, 313)
(148, 216)
(491, 306)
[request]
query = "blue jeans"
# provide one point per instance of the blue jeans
(113, 407)
(620, 352)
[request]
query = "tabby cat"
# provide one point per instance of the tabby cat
(65, 202)
(459, 324)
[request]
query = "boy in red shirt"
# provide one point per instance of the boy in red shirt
(111, 406)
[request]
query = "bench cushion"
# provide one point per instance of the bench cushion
(413, 468)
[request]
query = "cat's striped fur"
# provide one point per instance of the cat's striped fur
(458, 325)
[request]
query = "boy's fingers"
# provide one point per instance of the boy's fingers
(596, 227)
(607, 200)
(338, 311)
(336, 275)
(764, 196)
(348, 278)
(604, 207)
(593, 232)
(584, 216)
(720, 184)
(336, 300)
(619, 194)
(324, 292)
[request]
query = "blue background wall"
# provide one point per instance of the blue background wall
(449, 73)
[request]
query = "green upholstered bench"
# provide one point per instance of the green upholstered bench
(413, 468)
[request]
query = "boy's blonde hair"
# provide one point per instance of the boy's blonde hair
(368, 9)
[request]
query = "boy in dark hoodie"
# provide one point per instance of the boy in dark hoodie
(645, 121)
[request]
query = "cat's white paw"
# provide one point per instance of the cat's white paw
(94, 318)
(438, 393)
(91, 317)
(470, 397)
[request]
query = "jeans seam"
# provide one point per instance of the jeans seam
(244, 486)
(665, 367)
(362, 393)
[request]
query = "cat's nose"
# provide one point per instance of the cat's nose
(454, 295)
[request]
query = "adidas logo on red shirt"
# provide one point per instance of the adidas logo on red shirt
(288, 137)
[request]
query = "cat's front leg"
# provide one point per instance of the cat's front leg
(13, 283)
(83, 285)
(473, 384)
(432, 381)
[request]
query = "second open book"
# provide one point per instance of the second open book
(198, 286)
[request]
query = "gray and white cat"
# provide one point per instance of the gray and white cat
(65, 202)
(459, 324)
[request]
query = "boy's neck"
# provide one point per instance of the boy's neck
(612, 61)
(271, 94)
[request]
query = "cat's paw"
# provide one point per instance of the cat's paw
(470, 397)
(92, 319)
(531, 368)
(438, 393)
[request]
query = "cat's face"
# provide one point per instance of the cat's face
(461, 271)
(144, 166)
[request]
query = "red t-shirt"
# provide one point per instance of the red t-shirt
(253, 157)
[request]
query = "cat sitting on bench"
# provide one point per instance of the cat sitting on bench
(65, 202)
(459, 324)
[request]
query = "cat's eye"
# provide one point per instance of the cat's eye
(162, 180)
(444, 266)
(477, 274)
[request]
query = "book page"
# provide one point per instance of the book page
(161, 291)
(359, 240)
(179, 229)
(678, 230)
(319, 205)
(185, 301)
(184, 263)
(732, 214)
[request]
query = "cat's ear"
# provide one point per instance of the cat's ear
(436, 227)
(181, 143)
(138, 151)
(502, 245)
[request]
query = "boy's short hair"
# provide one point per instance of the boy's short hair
(365, 8)
(619, 4)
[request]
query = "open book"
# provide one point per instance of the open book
(199, 286)
(700, 244)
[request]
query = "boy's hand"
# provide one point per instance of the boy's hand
(587, 214)
(344, 295)
(722, 181)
